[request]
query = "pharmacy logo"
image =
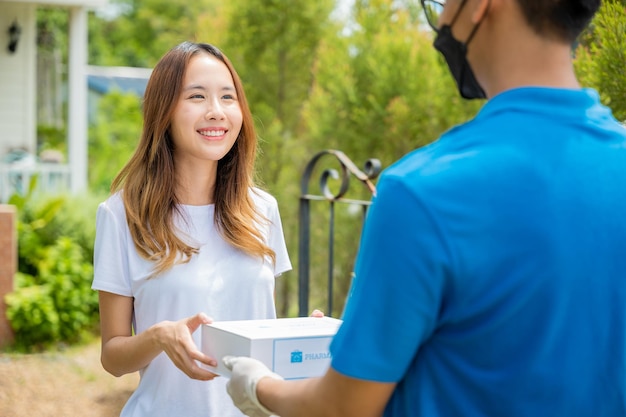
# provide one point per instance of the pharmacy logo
(296, 356)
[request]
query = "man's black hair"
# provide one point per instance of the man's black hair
(563, 19)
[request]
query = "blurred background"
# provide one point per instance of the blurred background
(360, 76)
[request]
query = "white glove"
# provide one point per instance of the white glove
(245, 375)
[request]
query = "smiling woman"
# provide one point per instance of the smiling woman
(185, 236)
(206, 122)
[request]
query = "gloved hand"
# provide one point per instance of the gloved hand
(245, 375)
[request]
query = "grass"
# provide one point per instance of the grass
(64, 383)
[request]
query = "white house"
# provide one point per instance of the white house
(18, 90)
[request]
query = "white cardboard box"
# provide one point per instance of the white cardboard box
(294, 348)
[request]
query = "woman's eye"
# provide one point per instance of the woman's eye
(229, 97)
(197, 96)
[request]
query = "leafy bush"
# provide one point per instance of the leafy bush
(68, 276)
(33, 316)
(33, 226)
(53, 301)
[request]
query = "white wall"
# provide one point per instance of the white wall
(18, 126)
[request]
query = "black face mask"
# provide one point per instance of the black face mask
(455, 54)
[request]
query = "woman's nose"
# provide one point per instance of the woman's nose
(214, 110)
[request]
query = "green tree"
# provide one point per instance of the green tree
(385, 91)
(273, 45)
(601, 57)
(52, 30)
(380, 91)
(144, 30)
(113, 137)
(371, 85)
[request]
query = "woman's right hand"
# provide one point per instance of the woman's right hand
(175, 339)
(124, 352)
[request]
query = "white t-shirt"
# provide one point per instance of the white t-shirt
(221, 281)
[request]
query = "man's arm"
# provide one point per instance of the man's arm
(331, 395)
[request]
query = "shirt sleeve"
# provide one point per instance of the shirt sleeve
(397, 290)
(276, 240)
(111, 264)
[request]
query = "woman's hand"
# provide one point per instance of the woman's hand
(175, 339)
(317, 313)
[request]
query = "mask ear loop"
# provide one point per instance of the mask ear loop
(458, 13)
(473, 32)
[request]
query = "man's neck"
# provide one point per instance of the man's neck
(510, 54)
(546, 65)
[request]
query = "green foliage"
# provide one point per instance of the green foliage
(601, 57)
(51, 137)
(33, 317)
(43, 219)
(34, 226)
(369, 84)
(53, 29)
(274, 60)
(391, 93)
(273, 44)
(68, 276)
(113, 138)
(56, 305)
(379, 92)
(53, 300)
(145, 30)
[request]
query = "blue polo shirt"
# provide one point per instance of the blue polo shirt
(491, 279)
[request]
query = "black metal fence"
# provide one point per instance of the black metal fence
(346, 170)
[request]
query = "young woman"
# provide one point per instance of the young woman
(185, 237)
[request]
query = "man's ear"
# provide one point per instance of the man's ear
(480, 11)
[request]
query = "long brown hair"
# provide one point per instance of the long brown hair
(147, 181)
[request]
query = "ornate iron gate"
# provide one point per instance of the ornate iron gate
(347, 169)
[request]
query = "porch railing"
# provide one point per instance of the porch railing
(16, 178)
(346, 170)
